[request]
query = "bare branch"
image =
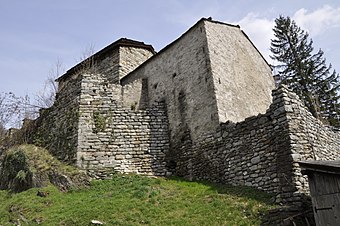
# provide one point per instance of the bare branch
(87, 61)
(45, 98)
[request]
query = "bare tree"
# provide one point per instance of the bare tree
(87, 53)
(87, 61)
(3, 114)
(13, 109)
(16, 108)
(45, 98)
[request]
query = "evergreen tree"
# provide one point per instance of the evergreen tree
(305, 72)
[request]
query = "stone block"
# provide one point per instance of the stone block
(119, 157)
(255, 160)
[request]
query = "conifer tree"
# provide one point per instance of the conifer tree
(305, 72)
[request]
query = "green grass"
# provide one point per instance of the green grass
(40, 160)
(28, 166)
(137, 200)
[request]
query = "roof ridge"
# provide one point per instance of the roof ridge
(118, 43)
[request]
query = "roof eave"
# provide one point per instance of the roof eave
(123, 42)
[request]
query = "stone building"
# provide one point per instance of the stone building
(204, 107)
(211, 74)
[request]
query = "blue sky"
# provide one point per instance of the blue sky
(35, 34)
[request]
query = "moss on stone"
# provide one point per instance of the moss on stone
(29, 166)
(99, 122)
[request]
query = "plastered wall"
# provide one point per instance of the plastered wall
(242, 78)
(180, 75)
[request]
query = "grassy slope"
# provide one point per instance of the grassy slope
(136, 200)
(27, 166)
(42, 161)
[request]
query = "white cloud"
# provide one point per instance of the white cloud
(318, 21)
(259, 30)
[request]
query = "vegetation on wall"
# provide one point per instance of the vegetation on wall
(99, 120)
(133, 106)
(55, 131)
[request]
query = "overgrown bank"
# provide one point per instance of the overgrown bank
(26, 166)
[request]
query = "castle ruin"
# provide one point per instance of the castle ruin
(205, 107)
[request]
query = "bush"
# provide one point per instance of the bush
(15, 174)
(28, 166)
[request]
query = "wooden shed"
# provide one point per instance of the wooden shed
(324, 185)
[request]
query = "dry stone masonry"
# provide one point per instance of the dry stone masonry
(204, 108)
(262, 151)
(114, 137)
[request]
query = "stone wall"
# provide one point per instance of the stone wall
(180, 75)
(131, 58)
(116, 63)
(98, 78)
(242, 78)
(113, 61)
(93, 82)
(56, 128)
(310, 139)
(243, 153)
(261, 151)
(211, 74)
(108, 65)
(166, 117)
(132, 95)
(119, 139)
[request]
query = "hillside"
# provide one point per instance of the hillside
(136, 200)
(26, 166)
